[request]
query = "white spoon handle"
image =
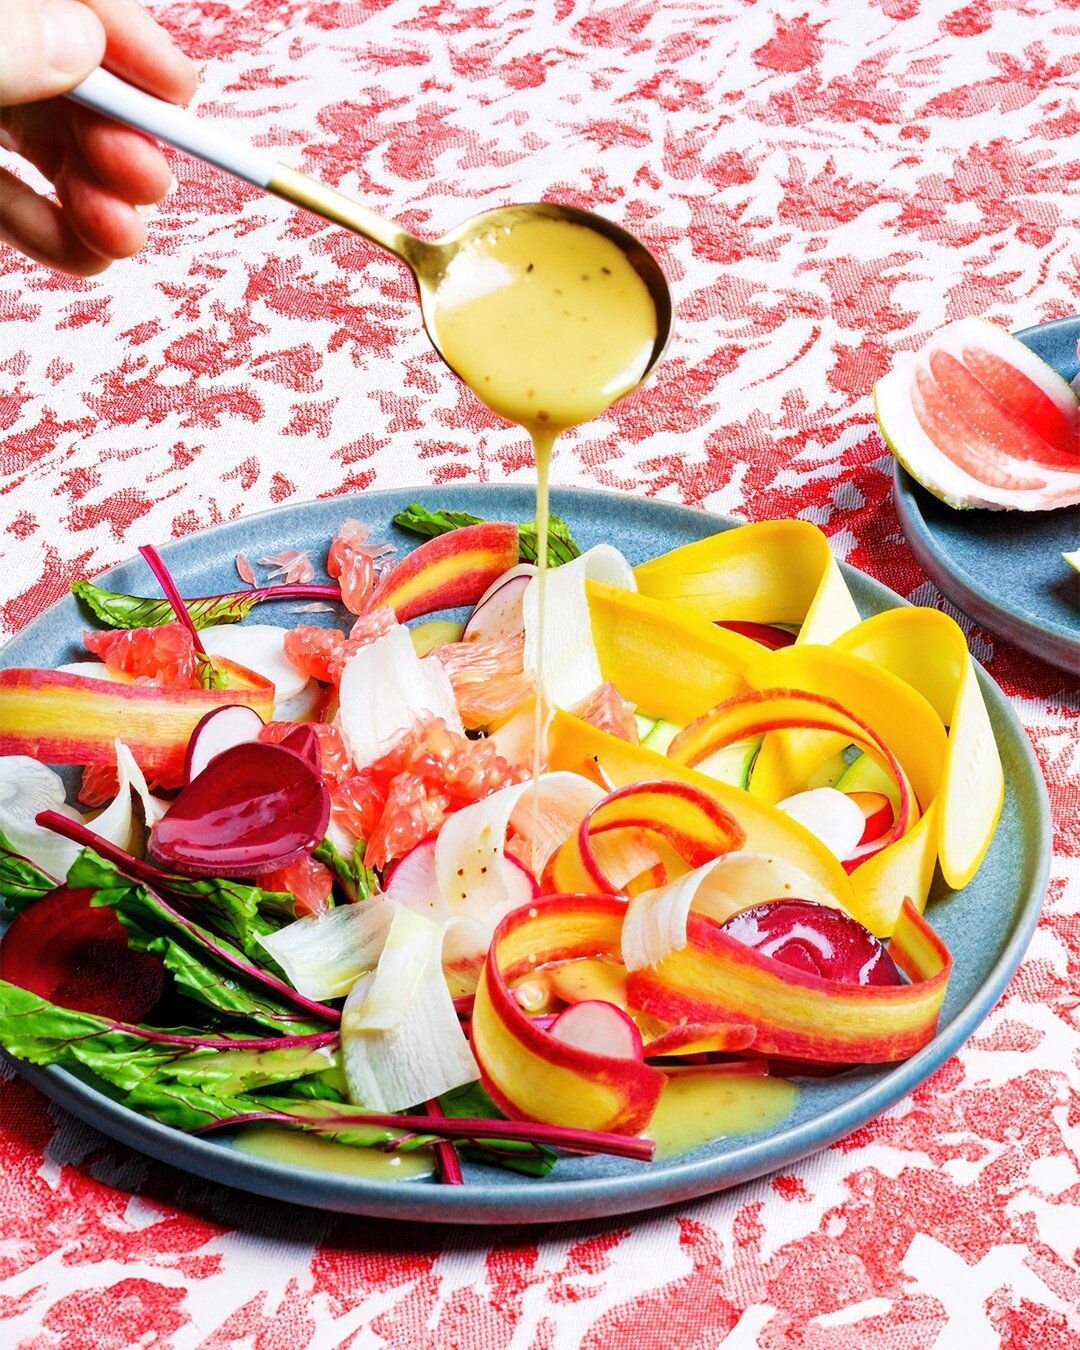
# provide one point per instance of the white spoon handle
(104, 93)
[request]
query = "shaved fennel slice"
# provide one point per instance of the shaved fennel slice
(471, 866)
(259, 647)
(326, 954)
(401, 1040)
(118, 823)
(27, 787)
(655, 922)
(571, 668)
(385, 688)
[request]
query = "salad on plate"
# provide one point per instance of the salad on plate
(467, 873)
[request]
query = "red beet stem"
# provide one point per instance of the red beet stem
(316, 1041)
(445, 1152)
(557, 1136)
(79, 834)
(156, 563)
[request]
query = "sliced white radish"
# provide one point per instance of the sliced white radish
(118, 823)
(501, 615)
(527, 570)
(26, 788)
(259, 647)
(414, 884)
(219, 730)
(477, 878)
(94, 670)
(385, 688)
(302, 707)
(401, 1039)
(830, 815)
(571, 667)
(878, 814)
(599, 1028)
(656, 921)
(325, 955)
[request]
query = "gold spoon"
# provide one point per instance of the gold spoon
(428, 260)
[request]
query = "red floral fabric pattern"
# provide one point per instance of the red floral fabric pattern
(826, 184)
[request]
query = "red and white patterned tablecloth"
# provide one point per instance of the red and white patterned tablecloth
(826, 183)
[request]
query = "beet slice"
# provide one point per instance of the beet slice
(76, 955)
(304, 741)
(253, 809)
(816, 939)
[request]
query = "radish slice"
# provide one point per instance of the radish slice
(600, 1028)
(830, 815)
(878, 816)
(527, 570)
(401, 1039)
(253, 809)
(76, 955)
(117, 823)
(325, 955)
(385, 688)
(501, 614)
(26, 788)
(571, 666)
(219, 730)
(94, 670)
(302, 707)
(259, 647)
(477, 879)
(656, 921)
(414, 884)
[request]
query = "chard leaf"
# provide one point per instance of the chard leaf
(137, 611)
(358, 880)
(471, 1102)
(562, 548)
(238, 911)
(208, 968)
(21, 881)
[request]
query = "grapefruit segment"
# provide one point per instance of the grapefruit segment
(980, 421)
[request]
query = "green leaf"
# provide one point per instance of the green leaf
(21, 881)
(137, 611)
(238, 911)
(471, 1102)
(207, 673)
(418, 519)
(359, 881)
(203, 963)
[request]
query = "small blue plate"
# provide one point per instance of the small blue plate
(1004, 568)
(987, 925)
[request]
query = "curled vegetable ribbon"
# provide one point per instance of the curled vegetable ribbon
(695, 826)
(62, 718)
(531, 1075)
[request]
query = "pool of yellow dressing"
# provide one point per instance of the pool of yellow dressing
(698, 1105)
(324, 1155)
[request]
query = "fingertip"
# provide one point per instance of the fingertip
(106, 224)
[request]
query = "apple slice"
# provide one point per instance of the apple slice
(452, 569)
(599, 1028)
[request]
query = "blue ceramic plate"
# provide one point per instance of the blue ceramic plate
(987, 926)
(1004, 568)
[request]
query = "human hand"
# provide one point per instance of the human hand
(100, 171)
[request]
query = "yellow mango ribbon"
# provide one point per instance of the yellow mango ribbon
(61, 718)
(716, 981)
(582, 748)
(529, 1074)
(692, 822)
(777, 571)
(664, 658)
(905, 722)
(928, 651)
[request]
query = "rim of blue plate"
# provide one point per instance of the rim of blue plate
(667, 1182)
(1055, 643)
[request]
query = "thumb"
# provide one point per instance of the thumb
(46, 48)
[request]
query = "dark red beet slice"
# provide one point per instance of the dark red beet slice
(816, 939)
(766, 633)
(253, 809)
(304, 742)
(76, 955)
